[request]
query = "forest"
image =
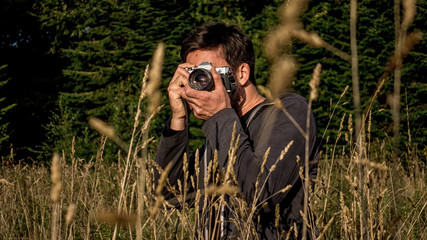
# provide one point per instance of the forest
(65, 64)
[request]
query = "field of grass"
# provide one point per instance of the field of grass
(85, 205)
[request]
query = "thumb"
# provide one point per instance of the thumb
(217, 80)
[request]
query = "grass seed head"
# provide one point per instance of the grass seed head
(282, 75)
(314, 82)
(5, 182)
(71, 212)
(155, 77)
(56, 192)
(226, 189)
(291, 11)
(112, 218)
(102, 127)
(409, 11)
(279, 37)
(56, 177)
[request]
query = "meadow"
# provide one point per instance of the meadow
(81, 199)
(366, 187)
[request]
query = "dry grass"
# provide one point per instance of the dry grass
(87, 205)
(357, 196)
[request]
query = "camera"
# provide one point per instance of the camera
(202, 79)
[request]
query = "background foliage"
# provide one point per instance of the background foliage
(71, 59)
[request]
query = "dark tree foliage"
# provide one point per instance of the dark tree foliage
(72, 59)
(4, 108)
(32, 78)
(107, 46)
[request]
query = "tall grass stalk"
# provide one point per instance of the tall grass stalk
(360, 154)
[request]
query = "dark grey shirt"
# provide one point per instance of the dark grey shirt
(269, 128)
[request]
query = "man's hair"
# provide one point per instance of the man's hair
(236, 47)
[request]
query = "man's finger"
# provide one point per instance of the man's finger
(217, 80)
(193, 94)
(182, 70)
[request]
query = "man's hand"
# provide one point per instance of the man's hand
(206, 103)
(175, 92)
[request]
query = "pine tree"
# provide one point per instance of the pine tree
(4, 108)
(107, 45)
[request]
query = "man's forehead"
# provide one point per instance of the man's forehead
(214, 56)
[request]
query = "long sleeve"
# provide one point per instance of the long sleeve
(171, 149)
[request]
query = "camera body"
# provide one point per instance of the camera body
(202, 79)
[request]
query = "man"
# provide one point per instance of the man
(259, 127)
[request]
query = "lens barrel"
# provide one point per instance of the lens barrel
(201, 79)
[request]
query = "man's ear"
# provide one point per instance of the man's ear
(243, 74)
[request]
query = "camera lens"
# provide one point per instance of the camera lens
(201, 79)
